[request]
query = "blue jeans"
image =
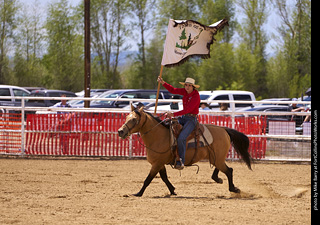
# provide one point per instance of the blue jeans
(188, 123)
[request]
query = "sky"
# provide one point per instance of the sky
(270, 26)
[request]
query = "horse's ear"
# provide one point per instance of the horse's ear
(132, 107)
(141, 109)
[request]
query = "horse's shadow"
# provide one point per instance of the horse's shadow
(176, 197)
(242, 196)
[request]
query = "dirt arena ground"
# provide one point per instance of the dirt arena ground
(98, 192)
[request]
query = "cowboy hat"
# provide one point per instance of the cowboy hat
(190, 81)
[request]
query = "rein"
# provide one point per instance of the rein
(141, 135)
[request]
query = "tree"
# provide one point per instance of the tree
(142, 10)
(294, 53)
(251, 31)
(218, 72)
(254, 37)
(215, 10)
(108, 35)
(132, 76)
(178, 10)
(8, 9)
(28, 69)
(64, 58)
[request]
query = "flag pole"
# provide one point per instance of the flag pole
(160, 75)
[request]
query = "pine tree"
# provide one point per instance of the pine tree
(183, 35)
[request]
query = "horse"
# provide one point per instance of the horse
(156, 137)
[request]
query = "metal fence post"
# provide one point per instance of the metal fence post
(22, 125)
(233, 126)
(130, 146)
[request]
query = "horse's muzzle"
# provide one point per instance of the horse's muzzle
(122, 133)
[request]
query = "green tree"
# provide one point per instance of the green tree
(108, 38)
(132, 76)
(183, 35)
(291, 67)
(217, 72)
(143, 11)
(64, 58)
(8, 23)
(246, 68)
(178, 10)
(254, 37)
(28, 69)
(277, 79)
(215, 10)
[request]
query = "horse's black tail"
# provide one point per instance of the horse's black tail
(240, 142)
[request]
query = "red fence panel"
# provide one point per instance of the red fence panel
(77, 134)
(246, 125)
(95, 134)
(10, 133)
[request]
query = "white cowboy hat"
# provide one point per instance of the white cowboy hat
(190, 81)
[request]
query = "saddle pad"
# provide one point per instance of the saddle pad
(206, 134)
(191, 143)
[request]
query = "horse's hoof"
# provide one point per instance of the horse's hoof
(173, 193)
(218, 180)
(235, 190)
(137, 195)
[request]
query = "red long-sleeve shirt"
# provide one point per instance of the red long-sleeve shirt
(190, 101)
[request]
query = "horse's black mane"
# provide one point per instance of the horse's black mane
(154, 117)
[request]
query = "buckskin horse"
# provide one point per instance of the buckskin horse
(156, 137)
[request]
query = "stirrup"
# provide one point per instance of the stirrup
(179, 167)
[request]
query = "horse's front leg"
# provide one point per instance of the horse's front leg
(153, 172)
(164, 177)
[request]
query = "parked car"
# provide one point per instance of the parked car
(47, 93)
(167, 107)
(34, 88)
(267, 108)
(134, 94)
(275, 99)
(275, 108)
(173, 105)
(228, 95)
(93, 92)
(13, 91)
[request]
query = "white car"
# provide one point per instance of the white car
(167, 108)
(227, 95)
(13, 91)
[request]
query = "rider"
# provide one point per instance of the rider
(191, 102)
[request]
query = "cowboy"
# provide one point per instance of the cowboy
(188, 119)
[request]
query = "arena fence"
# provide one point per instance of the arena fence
(93, 132)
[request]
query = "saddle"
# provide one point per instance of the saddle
(199, 137)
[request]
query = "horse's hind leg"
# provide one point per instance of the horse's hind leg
(228, 171)
(164, 177)
(215, 176)
(229, 174)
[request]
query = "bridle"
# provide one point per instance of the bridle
(136, 122)
(142, 134)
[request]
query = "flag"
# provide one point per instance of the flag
(187, 38)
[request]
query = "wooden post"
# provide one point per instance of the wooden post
(87, 57)
(160, 75)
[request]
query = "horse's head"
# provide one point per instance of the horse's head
(133, 122)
